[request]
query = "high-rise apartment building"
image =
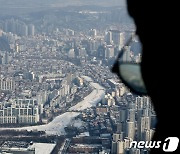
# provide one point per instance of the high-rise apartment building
(130, 129)
(7, 84)
(31, 30)
(18, 114)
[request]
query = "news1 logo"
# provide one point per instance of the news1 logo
(170, 144)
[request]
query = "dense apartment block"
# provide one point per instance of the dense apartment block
(7, 84)
(20, 111)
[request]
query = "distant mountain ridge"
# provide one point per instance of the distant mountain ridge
(21, 7)
(59, 3)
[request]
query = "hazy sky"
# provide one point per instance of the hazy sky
(59, 3)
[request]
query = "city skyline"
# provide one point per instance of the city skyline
(56, 85)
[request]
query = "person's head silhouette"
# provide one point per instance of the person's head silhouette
(157, 28)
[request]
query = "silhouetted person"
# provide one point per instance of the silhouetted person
(158, 30)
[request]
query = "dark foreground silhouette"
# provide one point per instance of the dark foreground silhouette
(158, 29)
